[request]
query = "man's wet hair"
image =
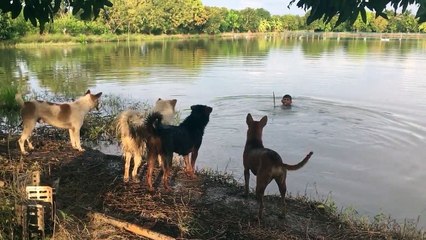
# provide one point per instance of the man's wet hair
(287, 96)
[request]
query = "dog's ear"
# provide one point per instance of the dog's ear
(249, 119)
(98, 95)
(173, 102)
(88, 92)
(263, 121)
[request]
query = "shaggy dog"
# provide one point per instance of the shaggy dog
(62, 115)
(183, 139)
(131, 126)
(264, 163)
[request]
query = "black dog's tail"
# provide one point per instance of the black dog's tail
(153, 123)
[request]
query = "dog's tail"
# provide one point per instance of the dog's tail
(153, 122)
(19, 100)
(128, 120)
(300, 164)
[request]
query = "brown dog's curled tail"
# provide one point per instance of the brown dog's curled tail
(299, 165)
(19, 99)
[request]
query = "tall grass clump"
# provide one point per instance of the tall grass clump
(7, 99)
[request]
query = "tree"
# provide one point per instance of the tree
(232, 20)
(127, 16)
(351, 9)
(39, 12)
(216, 20)
(249, 19)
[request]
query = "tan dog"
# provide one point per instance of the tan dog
(264, 163)
(62, 115)
(131, 126)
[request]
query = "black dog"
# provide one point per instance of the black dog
(186, 138)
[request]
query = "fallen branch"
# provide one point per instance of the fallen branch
(130, 227)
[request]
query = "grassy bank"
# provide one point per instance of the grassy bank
(212, 206)
(59, 39)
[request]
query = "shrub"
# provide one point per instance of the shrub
(68, 24)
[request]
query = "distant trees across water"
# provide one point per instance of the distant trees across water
(192, 17)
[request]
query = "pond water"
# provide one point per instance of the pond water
(359, 105)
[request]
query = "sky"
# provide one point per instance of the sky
(275, 7)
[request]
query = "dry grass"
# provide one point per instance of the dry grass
(209, 207)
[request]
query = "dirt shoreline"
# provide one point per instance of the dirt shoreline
(212, 206)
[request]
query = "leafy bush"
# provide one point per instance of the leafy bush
(13, 28)
(5, 27)
(68, 24)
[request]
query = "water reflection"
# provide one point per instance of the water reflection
(71, 69)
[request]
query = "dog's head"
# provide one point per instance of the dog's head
(200, 115)
(167, 109)
(201, 110)
(255, 128)
(94, 99)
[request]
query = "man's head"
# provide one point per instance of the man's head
(286, 100)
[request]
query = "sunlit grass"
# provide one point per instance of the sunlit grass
(7, 99)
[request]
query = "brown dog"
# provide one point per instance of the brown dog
(264, 163)
(62, 115)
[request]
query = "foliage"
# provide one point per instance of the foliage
(350, 10)
(190, 16)
(10, 29)
(5, 27)
(68, 24)
(41, 12)
(216, 21)
(169, 16)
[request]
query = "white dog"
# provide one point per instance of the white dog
(62, 115)
(131, 126)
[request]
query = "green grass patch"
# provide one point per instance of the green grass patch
(7, 99)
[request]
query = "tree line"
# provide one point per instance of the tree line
(192, 17)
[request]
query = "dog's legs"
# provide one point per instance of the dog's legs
(282, 186)
(152, 155)
(30, 145)
(72, 138)
(190, 165)
(137, 160)
(77, 139)
(261, 182)
(160, 161)
(194, 156)
(168, 158)
(127, 158)
(26, 134)
(187, 164)
(246, 181)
